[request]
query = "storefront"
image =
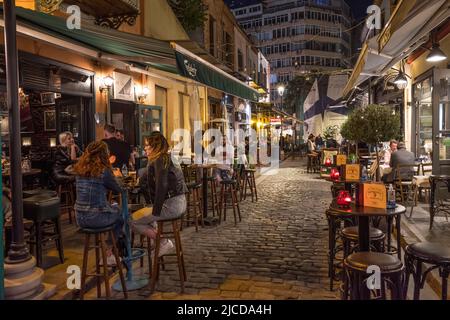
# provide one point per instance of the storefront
(54, 97)
(431, 118)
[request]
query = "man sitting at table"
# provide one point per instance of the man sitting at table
(388, 153)
(400, 157)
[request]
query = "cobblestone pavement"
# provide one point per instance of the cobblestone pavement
(278, 251)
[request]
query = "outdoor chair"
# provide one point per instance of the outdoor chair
(403, 177)
(436, 256)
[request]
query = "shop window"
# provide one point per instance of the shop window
(424, 117)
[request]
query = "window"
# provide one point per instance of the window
(212, 32)
(240, 60)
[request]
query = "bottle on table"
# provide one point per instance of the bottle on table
(125, 170)
(391, 197)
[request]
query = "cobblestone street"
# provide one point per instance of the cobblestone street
(278, 251)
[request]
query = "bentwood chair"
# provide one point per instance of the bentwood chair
(403, 179)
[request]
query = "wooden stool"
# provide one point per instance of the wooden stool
(313, 163)
(355, 276)
(436, 255)
(214, 196)
(335, 222)
(100, 248)
(67, 196)
(194, 205)
(350, 236)
(249, 180)
(229, 187)
(159, 261)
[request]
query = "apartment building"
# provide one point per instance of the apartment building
(298, 37)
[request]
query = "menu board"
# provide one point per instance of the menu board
(352, 172)
(373, 195)
(341, 160)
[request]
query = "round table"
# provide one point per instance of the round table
(364, 213)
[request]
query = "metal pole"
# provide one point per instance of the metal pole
(18, 251)
(2, 254)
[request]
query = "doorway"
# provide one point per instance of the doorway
(123, 115)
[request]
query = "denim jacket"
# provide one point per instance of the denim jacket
(92, 193)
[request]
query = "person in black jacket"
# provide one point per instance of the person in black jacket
(167, 189)
(66, 155)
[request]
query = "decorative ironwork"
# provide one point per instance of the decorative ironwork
(49, 6)
(116, 22)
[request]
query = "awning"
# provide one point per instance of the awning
(123, 46)
(195, 68)
(398, 39)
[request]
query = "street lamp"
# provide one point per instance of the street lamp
(281, 90)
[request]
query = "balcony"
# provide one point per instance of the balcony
(109, 13)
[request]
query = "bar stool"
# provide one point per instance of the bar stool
(356, 276)
(350, 236)
(335, 221)
(44, 211)
(214, 197)
(100, 248)
(67, 196)
(249, 180)
(436, 255)
(313, 163)
(194, 204)
(160, 261)
(229, 187)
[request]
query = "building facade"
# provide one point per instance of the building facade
(298, 37)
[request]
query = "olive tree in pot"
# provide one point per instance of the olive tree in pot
(379, 125)
(352, 129)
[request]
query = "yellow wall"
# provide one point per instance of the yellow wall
(160, 22)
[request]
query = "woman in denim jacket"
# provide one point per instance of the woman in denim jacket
(93, 182)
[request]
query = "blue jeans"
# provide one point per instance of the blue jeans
(98, 220)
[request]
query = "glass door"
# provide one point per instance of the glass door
(441, 128)
(150, 119)
(422, 92)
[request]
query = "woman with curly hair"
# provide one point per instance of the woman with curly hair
(93, 182)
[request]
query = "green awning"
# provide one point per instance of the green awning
(200, 72)
(129, 47)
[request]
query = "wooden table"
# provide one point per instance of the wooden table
(364, 213)
(25, 175)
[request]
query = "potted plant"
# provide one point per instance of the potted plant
(330, 134)
(352, 129)
(379, 125)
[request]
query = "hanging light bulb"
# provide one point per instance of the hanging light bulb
(401, 81)
(436, 54)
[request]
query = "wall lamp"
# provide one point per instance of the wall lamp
(107, 83)
(141, 93)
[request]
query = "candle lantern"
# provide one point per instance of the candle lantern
(344, 199)
(335, 175)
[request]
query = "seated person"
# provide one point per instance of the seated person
(66, 155)
(400, 157)
(388, 153)
(94, 181)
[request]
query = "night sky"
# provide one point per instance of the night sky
(358, 7)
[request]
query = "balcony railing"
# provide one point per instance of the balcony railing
(109, 13)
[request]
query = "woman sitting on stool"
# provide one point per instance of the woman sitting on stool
(167, 190)
(94, 181)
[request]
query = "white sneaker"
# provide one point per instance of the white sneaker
(165, 248)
